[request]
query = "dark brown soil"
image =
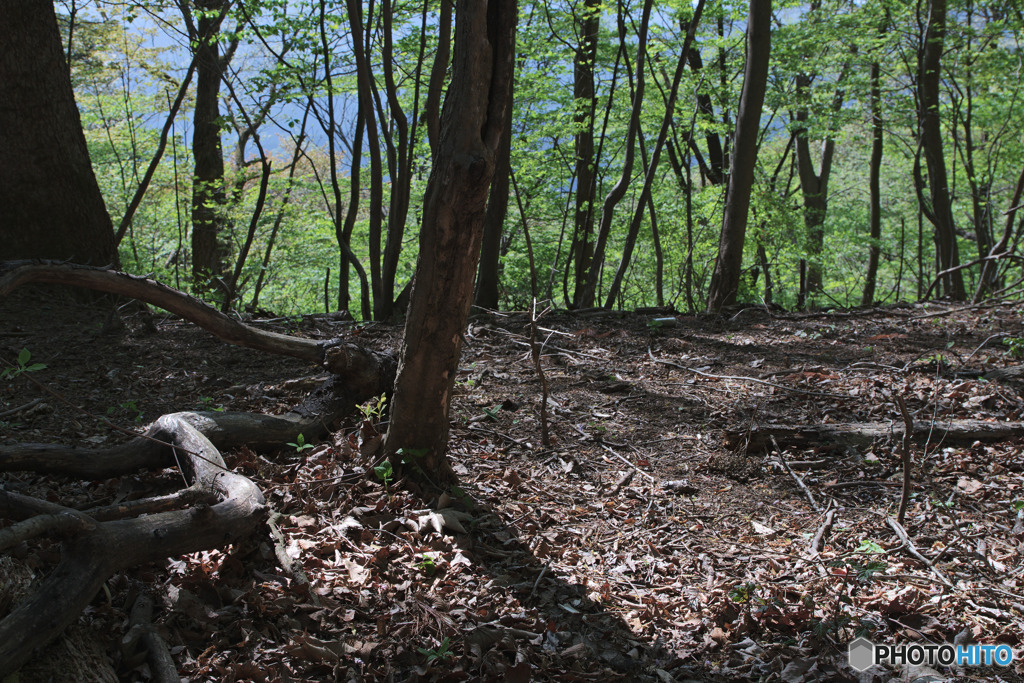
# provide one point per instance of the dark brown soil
(635, 546)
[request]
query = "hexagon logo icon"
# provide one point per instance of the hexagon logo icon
(862, 654)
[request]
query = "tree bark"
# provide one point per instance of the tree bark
(726, 277)
(489, 272)
(941, 213)
(52, 206)
(874, 187)
(585, 102)
(209, 201)
(450, 237)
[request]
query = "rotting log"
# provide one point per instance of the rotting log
(952, 432)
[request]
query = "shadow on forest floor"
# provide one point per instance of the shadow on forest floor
(635, 547)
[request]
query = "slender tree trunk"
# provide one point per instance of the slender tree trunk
(586, 171)
(874, 188)
(52, 207)
(487, 280)
(726, 277)
(209, 201)
(432, 110)
(814, 186)
(364, 77)
(617, 192)
(401, 178)
(714, 169)
(948, 253)
(453, 214)
(651, 170)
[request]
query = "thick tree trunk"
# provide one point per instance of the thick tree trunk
(52, 207)
(453, 214)
(948, 253)
(726, 277)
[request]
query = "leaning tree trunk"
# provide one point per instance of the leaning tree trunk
(726, 277)
(52, 206)
(453, 212)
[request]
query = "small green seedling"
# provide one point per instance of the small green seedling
(23, 358)
(300, 444)
(373, 410)
(385, 472)
(427, 565)
(440, 653)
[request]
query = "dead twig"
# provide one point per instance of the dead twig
(742, 378)
(909, 546)
(14, 411)
(796, 477)
(535, 350)
(819, 537)
(905, 452)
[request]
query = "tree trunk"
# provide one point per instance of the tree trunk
(209, 202)
(726, 277)
(814, 186)
(486, 295)
(589, 293)
(52, 206)
(453, 213)
(364, 77)
(874, 188)
(652, 167)
(941, 214)
(586, 171)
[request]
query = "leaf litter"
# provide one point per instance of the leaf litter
(638, 546)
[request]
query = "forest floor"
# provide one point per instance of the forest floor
(642, 544)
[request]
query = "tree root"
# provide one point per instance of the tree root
(216, 508)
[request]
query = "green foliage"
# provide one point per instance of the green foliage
(21, 366)
(299, 444)
(126, 70)
(385, 472)
(1014, 347)
(374, 409)
(129, 408)
(442, 653)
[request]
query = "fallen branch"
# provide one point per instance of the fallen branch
(912, 549)
(87, 560)
(866, 433)
(357, 365)
(799, 481)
